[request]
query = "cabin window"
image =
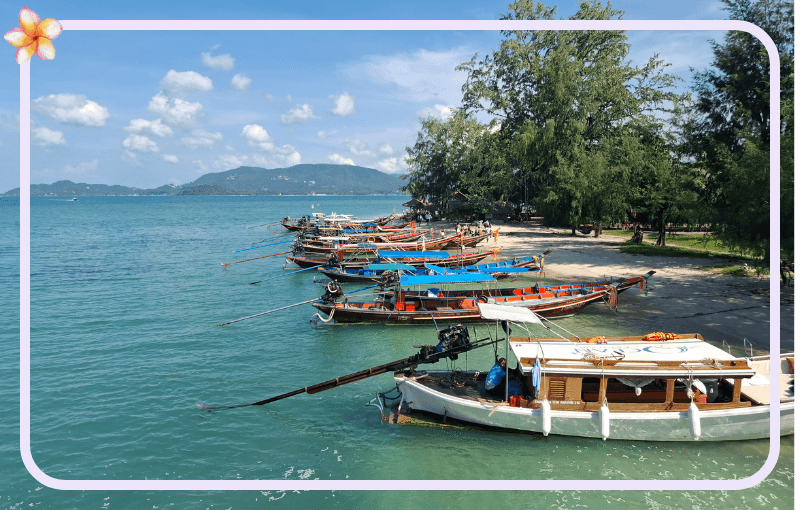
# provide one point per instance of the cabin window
(650, 390)
(590, 389)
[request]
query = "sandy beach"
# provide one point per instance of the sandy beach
(681, 296)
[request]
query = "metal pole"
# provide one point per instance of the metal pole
(508, 334)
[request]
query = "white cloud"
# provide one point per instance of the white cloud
(422, 76)
(155, 127)
(170, 158)
(72, 108)
(201, 138)
(220, 62)
(257, 136)
(345, 105)
(438, 111)
(176, 112)
(300, 113)
(82, 168)
(216, 47)
(241, 82)
(340, 160)
(200, 165)
(187, 80)
(282, 157)
(390, 166)
(140, 143)
(322, 135)
(45, 136)
(358, 147)
(386, 150)
(230, 161)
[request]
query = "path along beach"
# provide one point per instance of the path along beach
(681, 296)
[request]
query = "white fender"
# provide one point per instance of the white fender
(547, 417)
(605, 421)
(694, 420)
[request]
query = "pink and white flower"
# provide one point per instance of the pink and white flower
(33, 36)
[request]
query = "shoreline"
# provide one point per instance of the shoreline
(682, 297)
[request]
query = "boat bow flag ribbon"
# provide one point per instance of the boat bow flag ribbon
(33, 36)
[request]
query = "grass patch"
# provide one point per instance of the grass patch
(652, 250)
(737, 270)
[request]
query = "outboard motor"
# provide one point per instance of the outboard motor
(333, 260)
(333, 291)
(450, 338)
(388, 279)
(453, 337)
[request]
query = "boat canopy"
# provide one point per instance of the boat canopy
(413, 254)
(391, 267)
(494, 312)
(445, 278)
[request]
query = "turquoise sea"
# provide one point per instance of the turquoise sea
(125, 296)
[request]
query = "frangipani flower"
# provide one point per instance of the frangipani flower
(33, 36)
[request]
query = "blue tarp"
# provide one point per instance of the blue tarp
(445, 278)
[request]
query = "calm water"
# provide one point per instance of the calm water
(125, 295)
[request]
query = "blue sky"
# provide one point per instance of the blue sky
(149, 108)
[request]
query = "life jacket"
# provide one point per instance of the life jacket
(659, 336)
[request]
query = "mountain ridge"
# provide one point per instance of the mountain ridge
(302, 179)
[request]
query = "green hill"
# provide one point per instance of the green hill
(319, 179)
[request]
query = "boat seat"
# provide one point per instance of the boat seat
(756, 389)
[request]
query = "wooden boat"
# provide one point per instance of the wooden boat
(404, 305)
(413, 258)
(470, 241)
(343, 248)
(656, 387)
(376, 272)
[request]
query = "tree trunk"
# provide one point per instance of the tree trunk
(662, 234)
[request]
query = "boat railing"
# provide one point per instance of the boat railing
(746, 341)
(726, 344)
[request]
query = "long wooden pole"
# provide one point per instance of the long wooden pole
(248, 260)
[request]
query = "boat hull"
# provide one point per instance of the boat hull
(716, 425)
(344, 312)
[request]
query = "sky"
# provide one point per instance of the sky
(148, 108)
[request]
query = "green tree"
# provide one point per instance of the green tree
(559, 94)
(731, 133)
(440, 156)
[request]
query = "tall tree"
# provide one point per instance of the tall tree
(560, 93)
(440, 156)
(732, 129)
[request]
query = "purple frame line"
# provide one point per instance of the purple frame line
(378, 25)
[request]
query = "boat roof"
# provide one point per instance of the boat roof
(493, 312)
(413, 254)
(391, 267)
(444, 278)
(630, 357)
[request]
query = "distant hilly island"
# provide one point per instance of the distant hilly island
(307, 179)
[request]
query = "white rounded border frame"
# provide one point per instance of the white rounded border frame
(377, 25)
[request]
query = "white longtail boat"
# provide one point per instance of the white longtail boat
(657, 387)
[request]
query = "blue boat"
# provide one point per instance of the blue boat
(379, 272)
